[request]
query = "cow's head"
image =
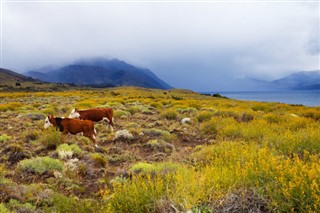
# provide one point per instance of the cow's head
(49, 121)
(74, 113)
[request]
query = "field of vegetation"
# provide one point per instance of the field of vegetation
(171, 151)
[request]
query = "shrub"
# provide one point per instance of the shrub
(120, 158)
(123, 135)
(4, 138)
(263, 108)
(176, 97)
(15, 153)
(169, 114)
(160, 145)
(99, 160)
(51, 138)
(32, 136)
(244, 117)
(3, 209)
(186, 110)
(121, 114)
(157, 168)
(134, 109)
(40, 165)
(165, 135)
(73, 147)
(204, 116)
(21, 207)
(209, 127)
(62, 203)
(48, 111)
(86, 104)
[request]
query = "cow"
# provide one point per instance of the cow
(95, 115)
(72, 126)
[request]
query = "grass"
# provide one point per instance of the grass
(248, 155)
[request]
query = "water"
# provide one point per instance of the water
(304, 97)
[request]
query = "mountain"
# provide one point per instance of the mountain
(300, 81)
(100, 72)
(305, 80)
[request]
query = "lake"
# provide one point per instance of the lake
(304, 97)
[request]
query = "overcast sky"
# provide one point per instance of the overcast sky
(199, 46)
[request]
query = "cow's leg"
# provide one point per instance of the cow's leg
(108, 123)
(91, 135)
(111, 124)
(63, 136)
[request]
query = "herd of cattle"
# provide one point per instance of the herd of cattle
(81, 121)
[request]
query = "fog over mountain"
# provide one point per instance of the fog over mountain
(201, 46)
(100, 72)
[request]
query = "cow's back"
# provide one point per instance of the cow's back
(96, 114)
(92, 114)
(75, 126)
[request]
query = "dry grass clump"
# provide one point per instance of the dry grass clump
(160, 146)
(13, 153)
(209, 127)
(169, 114)
(204, 116)
(12, 106)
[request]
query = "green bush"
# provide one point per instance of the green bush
(135, 109)
(99, 159)
(40, 165)
(3, 209)
(51, 138)
(148, 168)
(209, 127)
(169, 114)
(204, 116)
(121, 113)
(73, 147)
(62, 203)
(4, 138)
(20, 207)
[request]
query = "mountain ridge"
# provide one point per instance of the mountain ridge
(100, 71)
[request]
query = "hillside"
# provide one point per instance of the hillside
(172, 151)
(13, 81)
(99, 71)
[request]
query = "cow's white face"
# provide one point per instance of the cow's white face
(74, 114)
(47, 123)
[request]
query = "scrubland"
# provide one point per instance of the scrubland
(231, 156)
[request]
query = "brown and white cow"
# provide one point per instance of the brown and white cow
(95, 115)
(72, 126)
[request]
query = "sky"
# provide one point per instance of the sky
(203, 46)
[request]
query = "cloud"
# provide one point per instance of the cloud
(200, 46)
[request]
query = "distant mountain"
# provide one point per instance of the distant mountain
(101, 72)
(300, 81)
(305, 80)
